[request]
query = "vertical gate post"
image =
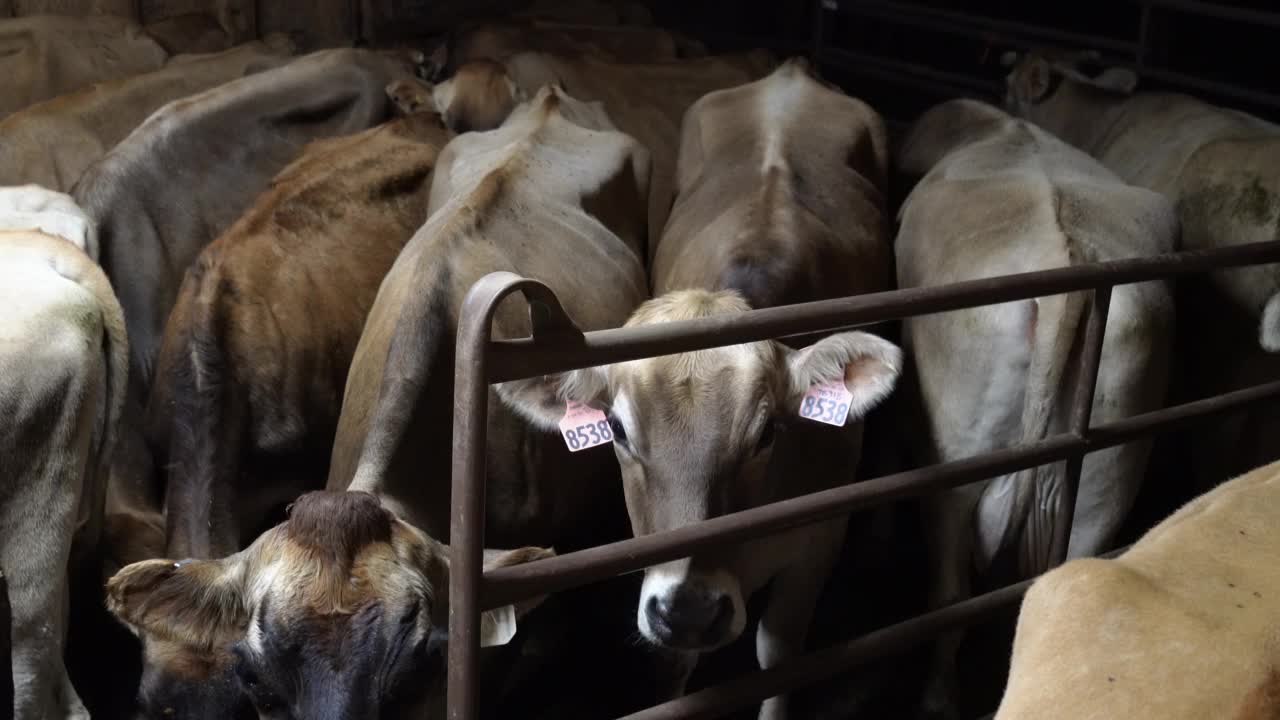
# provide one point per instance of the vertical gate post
(550, 324)
(1081, 411)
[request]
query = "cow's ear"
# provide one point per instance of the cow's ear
(411, 96)
(196, 602)
(543, 400)
(1033, 79)
(1118, 80)
(868, 365)
(494, 559)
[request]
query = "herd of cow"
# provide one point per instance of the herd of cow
(226, 356)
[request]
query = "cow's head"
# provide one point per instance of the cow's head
(339, 612)
(694, 434)
(478, 97)
(1036, 77)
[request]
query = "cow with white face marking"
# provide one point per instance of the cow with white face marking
(1000, 196)
(772, 208)
(339, 613)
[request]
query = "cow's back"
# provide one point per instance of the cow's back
(53, 142)
(781, 194)
(1180, 626)
(44, 56)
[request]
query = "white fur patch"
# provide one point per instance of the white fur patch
(1269, 327)
(36, 209)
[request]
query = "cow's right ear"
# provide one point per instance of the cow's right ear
(196, 602)
(542, 400)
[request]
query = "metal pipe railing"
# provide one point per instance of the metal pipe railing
(557, 345)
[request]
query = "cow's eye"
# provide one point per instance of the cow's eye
(766, 438)
(616, 427)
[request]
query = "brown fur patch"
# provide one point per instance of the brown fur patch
(483, 97)
(338, 525)
(1263, 702)
(187, 662)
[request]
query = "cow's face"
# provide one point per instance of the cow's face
(339, 612)
(694, 434)
(478, 97)
(182, 682)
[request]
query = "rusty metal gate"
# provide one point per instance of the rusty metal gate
(557, 345)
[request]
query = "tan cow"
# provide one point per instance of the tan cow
(188, 172)
(53, 142)
(63, 365)
(339, 612)
(1182, 626)
(1001, 196)
(645, 100)
(1220, 167)
(774, 206)
(44, 56)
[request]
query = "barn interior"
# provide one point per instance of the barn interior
(901, 57)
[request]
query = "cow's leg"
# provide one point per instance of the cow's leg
(792, 601)
(950, 535)
(48, 399)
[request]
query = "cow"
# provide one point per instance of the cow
(645, 100)
(63, 366)
(1219, 167)
(1001, 196)
(353, 582)
(53, 142)
(772, 208)
(189, 171)
(255, 354)
(1180, 626)
(43, 56)
(339, 612)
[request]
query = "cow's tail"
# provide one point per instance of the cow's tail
(416, 345)
(115, 353)
(206, 427)
(1022, 506)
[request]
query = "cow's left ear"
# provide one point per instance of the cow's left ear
(543, 400)
(195, 602)
(868, 365)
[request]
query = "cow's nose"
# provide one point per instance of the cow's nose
(691, 616)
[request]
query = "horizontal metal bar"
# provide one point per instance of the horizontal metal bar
(518, 582)
(1217, 11)
(527, 357)
(1190, 82)
(903, 71)
(978, 27)
(747, 690)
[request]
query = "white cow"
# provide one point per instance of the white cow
(1001, 196)
(63, 365)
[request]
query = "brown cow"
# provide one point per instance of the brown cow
(44, 56)
(1182, 626)
(250, 373)
(337, 612)
(646, 101)
(53, 142)
(781, 201)
(191, 169)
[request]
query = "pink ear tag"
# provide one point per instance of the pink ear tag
(827, 402)
(584, 427)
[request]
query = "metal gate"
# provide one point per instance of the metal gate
(558, 345)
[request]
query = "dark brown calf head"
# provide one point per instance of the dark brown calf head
(694, 435)
(339, 612)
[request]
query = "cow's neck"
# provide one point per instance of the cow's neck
(1080, 114)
